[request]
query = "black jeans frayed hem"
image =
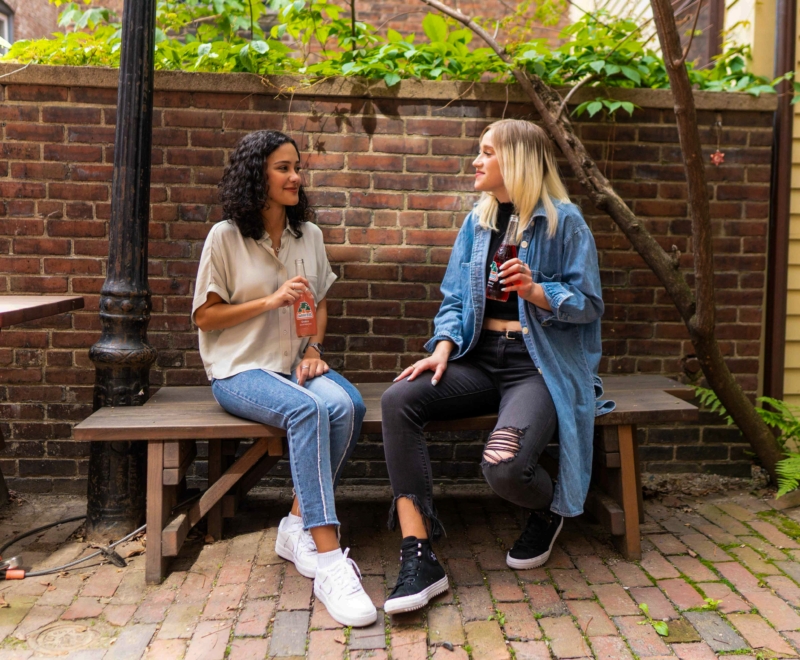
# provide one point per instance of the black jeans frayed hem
(433, 525)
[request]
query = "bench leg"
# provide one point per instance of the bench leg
(157, 513)
(215, 470)
(629, 544)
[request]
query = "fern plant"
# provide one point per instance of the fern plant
(782, 417)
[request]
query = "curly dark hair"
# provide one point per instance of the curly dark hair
(243, 188)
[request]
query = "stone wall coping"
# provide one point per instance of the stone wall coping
(246, 83)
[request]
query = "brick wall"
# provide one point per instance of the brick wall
(391, 178)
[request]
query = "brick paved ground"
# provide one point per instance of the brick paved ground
(724, 572)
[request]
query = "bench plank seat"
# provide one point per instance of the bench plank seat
(175, 417)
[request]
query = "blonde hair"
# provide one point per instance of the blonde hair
(530, 174)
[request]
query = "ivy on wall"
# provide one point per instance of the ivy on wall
(318, 39)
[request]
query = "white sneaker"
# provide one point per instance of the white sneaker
(296, 545)
(339, 588)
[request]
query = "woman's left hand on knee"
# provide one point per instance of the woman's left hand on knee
(310, 368)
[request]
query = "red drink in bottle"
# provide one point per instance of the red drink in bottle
(506, 251)
(305, 311)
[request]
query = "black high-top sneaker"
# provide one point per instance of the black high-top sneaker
(533, 547)
(421, 577)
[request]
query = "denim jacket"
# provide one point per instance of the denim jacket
(564, 343)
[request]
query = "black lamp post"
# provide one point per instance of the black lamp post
(122, 356)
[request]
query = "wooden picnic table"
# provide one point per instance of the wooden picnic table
(22, 309)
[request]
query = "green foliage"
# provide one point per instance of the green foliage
(780, 416)
(660, 627)
(316, 39)
(711, 604)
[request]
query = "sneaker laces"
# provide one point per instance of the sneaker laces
(306, 542)
(537, 524)
(345, 575)
(410, 560)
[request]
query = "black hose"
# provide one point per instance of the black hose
(31, 532)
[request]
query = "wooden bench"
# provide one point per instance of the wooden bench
(176, 417)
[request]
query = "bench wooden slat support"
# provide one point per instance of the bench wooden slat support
(175, 417)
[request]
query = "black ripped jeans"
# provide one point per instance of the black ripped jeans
(497, 375)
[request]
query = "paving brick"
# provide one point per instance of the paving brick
(323, 644)
(737, 575)
(614, 599)
(717, 534)
(492, 558)
(667, 544)
(154, 608)
(759, 635)
(610, 648)
(166, 649)
(181, 621)
(131, 590)
(531, 650)
(409, 644)
(591, 618)
(104, 582)
(736, 511)
(119, 615)
(773, 535)
(132, 642)
(369, 637)
(571, 584)
(83, 608)
(785, 588)
(233, 574)
(791, 568)
(683, 594)
(264, 581)
(296, 594)
(254, 618)
(773, 609)
(504, 586)
(195, 589)
(657, 603)
(716, 632)
(248, 649)
(731, 602)
(575, 544)
(643, 640)
(681, 632)
(210, 641)
(321, 618)
(694, 651)
(476, 603)
(544, 600)
(704, 548)
(66, 588)
(464, 572)
(764, 547)
(383, 655)
(559, 559)
(630, 575)
(533, 575)
(289, 633)
(520, 622)
(486, 640)
(693, 568)
(566, 640)
(723, 520)
(38, 617)
(754, 562)
(593, 568)
(223, 603)
(657, 566)
(444, 625)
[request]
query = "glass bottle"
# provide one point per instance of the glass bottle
(305, 310)
(506, 251)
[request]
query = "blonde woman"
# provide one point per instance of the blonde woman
(532, 359)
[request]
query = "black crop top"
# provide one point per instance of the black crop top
(509, 310)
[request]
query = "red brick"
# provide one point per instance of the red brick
(34, 132)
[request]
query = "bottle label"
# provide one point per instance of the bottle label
(494, 272)
(304, 311)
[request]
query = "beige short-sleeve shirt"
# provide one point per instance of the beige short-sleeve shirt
(240, 269)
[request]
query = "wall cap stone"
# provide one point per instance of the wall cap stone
(246, 83)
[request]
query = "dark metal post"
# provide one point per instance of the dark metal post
(122, 356)
(778, 241)
(716, 21)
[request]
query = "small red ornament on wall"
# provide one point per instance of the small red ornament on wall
(718, 158)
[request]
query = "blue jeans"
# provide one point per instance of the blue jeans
(322, 421)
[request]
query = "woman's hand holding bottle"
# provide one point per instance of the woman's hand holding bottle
(287, 293)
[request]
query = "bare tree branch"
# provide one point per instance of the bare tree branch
(574, 89)
(691, 35)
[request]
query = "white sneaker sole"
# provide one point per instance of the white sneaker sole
(346, 619)
(535, 562)
(411, 603)
(285, 552)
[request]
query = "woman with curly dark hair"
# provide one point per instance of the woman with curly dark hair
(260, 368)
